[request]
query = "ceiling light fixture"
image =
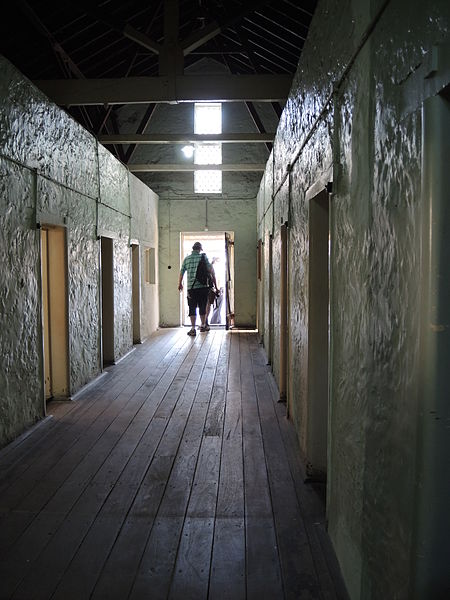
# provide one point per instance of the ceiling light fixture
(188, 151)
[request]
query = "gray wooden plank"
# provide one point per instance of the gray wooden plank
(257, 494)
(263, 567)
(298, 567)
(191, 574)
(227, 577)
(234, 374)
(262, 561)
(203, 498)
(230, 502)
(155, 571)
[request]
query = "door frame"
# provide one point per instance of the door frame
(200, 236)
(229, 279)
(136, 291)
(318, 333)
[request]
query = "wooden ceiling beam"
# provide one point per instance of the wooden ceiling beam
(140, 130)
(200, 37)
(189, 167)
(141, 39)
(124, 29)
(188, 88)
(186, 138)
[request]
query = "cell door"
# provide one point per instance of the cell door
(229, 279)
(54, 311)
(283, 334)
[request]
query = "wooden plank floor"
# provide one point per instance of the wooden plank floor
(175, 475)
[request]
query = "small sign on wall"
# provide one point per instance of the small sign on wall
(150, 267)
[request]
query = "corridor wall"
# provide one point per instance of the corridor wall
(53, 172)
(353, 125)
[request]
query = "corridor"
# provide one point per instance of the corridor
(175, 475)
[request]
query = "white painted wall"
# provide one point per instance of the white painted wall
(53, 171)
(354, 117)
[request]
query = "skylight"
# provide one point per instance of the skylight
(208, 120)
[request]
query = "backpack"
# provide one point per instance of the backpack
(202, 274)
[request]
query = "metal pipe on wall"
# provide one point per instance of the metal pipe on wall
(283, 314)
(432, 544)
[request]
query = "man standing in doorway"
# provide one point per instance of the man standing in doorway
(197, 291)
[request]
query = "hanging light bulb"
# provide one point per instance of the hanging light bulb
(188, 151)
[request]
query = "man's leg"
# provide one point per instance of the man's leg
(192, 303)
(202, 301)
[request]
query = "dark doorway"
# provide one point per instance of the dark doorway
(318, 333)
(107, 260)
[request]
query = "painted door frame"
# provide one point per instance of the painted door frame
(318, 333)
(54, 308)
(229, 279)
(201, 236)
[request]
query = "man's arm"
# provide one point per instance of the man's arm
(180, 276)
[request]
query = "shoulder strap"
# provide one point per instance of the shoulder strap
(202, 257)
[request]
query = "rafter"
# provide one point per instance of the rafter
(203, 35)
(200, 37)
(140, 130)
(140, 38)
(243, 39)
(125, 29)
(68, 66)
(257, 121)
(250, 106)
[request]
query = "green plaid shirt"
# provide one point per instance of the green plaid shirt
(189, 265)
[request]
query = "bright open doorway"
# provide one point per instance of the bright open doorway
(214, 246)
